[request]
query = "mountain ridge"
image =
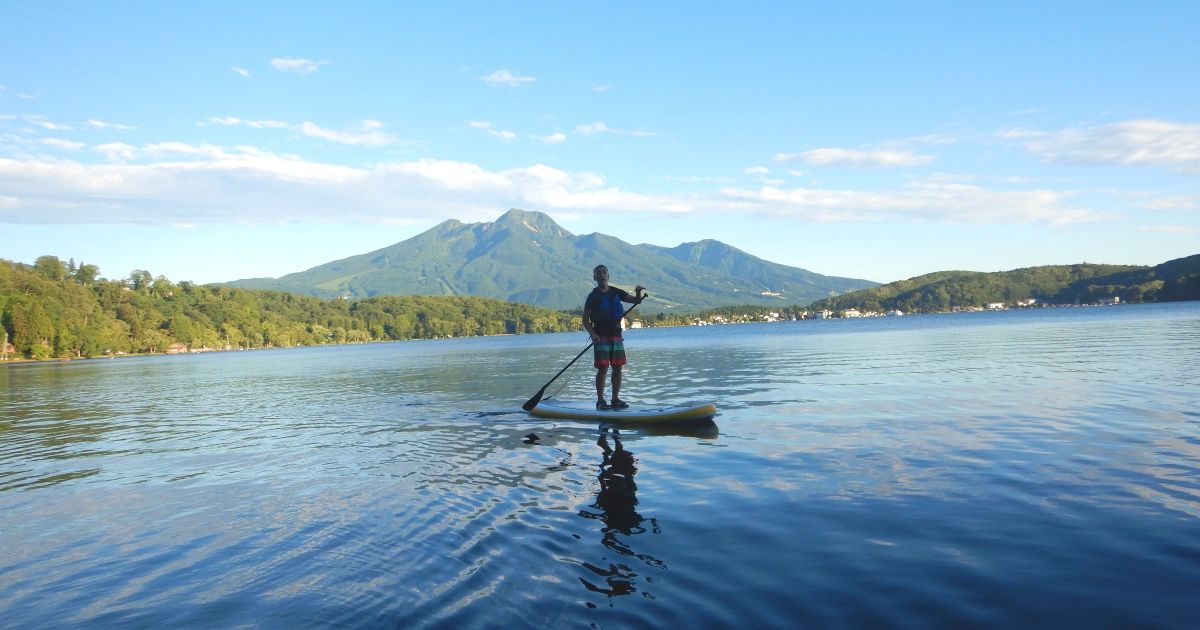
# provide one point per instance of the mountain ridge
(525, 256)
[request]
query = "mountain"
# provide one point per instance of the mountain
(526, 257)
(1174, 280)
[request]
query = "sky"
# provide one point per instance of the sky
(214, 141)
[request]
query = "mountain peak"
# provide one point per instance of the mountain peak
(531, 220)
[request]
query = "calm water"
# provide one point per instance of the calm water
(989, 469)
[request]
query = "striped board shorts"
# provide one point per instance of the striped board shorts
(609, 351)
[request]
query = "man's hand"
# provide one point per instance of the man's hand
(637, 291)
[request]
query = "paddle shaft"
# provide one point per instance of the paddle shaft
(532, 402)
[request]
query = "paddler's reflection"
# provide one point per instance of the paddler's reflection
(617, 505)
(617, 498)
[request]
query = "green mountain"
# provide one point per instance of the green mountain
(1175, 280)
(527, 257)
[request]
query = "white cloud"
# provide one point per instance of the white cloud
(172, 183)
(1171, 229)
(697, 179)
(242, 71)
(921, 200)
(491, 130)
(600, 89)
(593, 128)
(59, 143)
(756, 170)
(1181, 202)
(369, 134)
(267, 124)
(554, 138)
(598, 127)
(506, 78)
(233, 121)
(116, 151)
(297, 65)
(223, 121)
(850, 157)
(1132, 142)
(100, 124)
(46, 124)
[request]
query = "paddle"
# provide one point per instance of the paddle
(537, 398)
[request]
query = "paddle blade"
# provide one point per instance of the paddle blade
(532, 402)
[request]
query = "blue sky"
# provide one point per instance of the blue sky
(220, 140)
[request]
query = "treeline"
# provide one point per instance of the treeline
(1176, 280)
(59, 309)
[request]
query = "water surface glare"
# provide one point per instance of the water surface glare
(973, 470)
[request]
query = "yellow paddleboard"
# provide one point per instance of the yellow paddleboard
(586, 410)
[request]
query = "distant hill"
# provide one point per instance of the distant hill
(527, 257)
(1175, 280)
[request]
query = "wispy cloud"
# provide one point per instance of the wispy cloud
(697, 179)
(100, 124)
(491, 130)
(116, 151)
(1180, 202)
(850, 157)
(926, 200)
(506, 78)
(593, 129)
(176, 182)
(46, 124)
(598, 127)
(1132, 142)
(1170, 229)
(756, 170)
(368, 134)
(554, 138)
(59, 143)
(297, 65)
(242, 71)
(600, 89)
(233, 121)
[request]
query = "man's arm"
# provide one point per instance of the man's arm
(587, 325)
(634, 299)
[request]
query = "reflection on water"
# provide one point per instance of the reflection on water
(616, 507)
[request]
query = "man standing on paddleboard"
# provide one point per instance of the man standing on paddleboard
(602, 313)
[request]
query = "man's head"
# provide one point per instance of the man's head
(600, 274)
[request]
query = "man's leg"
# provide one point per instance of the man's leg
(601, 373)
(616, 382)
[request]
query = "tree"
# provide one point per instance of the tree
(87, 274)
(32, 330)
(140, 279)
(51, 267)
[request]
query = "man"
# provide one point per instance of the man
(602, 319)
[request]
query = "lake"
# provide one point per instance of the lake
(1002, 469)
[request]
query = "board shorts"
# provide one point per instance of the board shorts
(609, 351)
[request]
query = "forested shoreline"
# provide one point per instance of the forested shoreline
(56, 309)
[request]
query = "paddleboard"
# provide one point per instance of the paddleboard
(586, 410)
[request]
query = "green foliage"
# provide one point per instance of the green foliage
(1174, 280)
(53, 310)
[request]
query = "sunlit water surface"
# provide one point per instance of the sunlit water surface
(987, 469)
